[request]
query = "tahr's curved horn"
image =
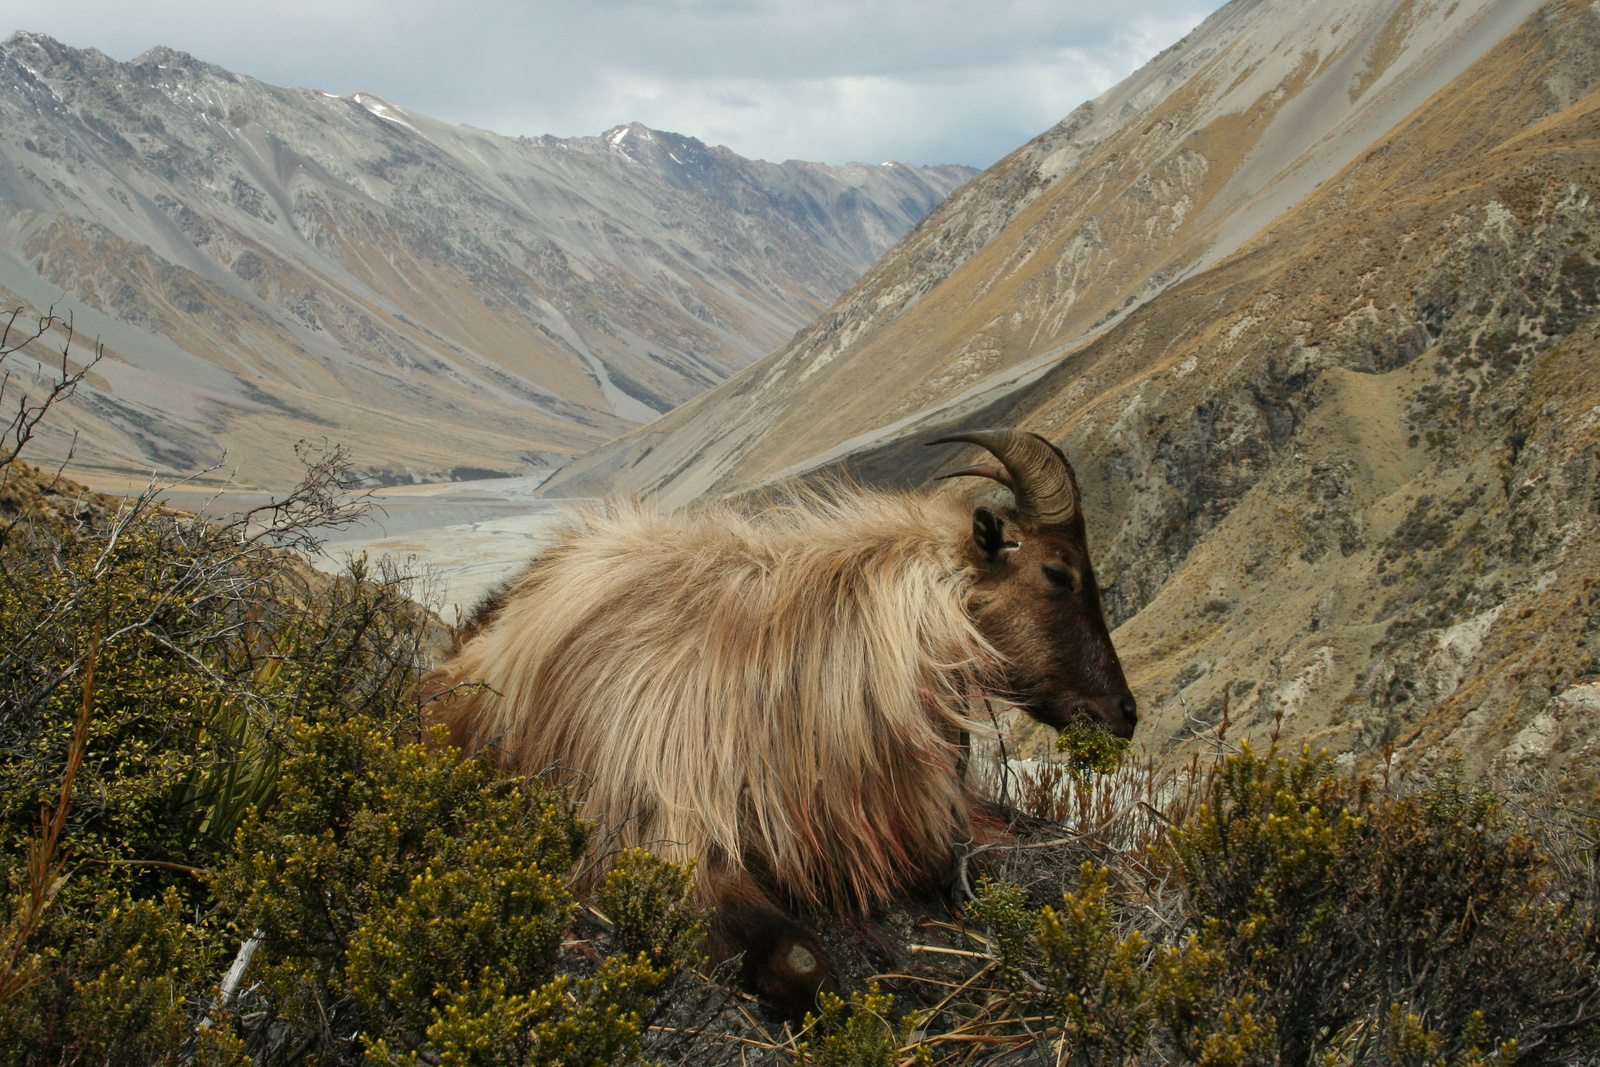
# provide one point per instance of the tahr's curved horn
(978, 470)
(1040, 477)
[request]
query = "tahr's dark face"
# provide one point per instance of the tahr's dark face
(1037, 602)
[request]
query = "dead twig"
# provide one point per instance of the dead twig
(18, 967)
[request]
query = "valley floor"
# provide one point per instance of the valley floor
(465, 536)
(468, 536)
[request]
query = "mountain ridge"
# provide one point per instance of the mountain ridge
(1150, 164)
(438, 295)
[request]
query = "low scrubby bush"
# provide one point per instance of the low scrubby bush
(1322, 919)
(1334, 896)
(410, 906)
(859, 1032)
(233, 769)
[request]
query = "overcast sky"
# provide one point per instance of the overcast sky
(921, 81)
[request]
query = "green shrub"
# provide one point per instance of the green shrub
(255, 770)
(1106, 992)
(1090, 751)
(1408, 1043)
(1002, 908)
(651, 907)
(1098, 982)
(1333, 897)
(1205, 1024)
(391, 880)
(209, 643)
(859, 1032)
(1322, 920)
(126, 977)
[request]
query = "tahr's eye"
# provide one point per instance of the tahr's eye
(1063, 578)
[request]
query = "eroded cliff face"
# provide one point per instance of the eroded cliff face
(267, 264)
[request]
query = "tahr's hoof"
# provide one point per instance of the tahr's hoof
(793, 975)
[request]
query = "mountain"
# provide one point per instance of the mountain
(856, 211)
(1152, 182)
(266, 264)
(1311, 302)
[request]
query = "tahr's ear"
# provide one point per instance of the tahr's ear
(988, 533)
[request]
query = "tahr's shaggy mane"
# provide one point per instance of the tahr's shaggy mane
(784, 694)
(783, 698)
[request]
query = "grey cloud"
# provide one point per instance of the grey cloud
(928, 81)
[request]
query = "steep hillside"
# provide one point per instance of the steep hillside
(1343, 481)
(1134, 191)
(1350, 477)
(266, 264)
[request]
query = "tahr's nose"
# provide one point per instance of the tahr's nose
(1130, 709)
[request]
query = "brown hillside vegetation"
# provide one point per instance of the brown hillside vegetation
(1363, 450)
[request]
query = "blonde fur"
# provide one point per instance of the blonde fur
(784, 693)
